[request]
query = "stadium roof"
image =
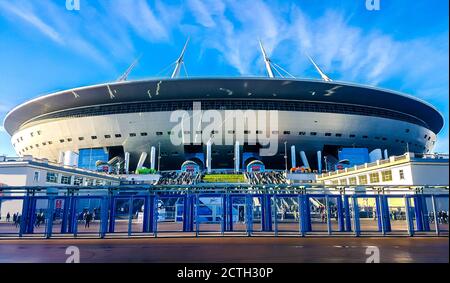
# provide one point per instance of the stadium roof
(223, 88)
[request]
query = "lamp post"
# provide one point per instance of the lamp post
(285, 157)
(159, 156)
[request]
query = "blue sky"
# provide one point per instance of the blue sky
(44, 47)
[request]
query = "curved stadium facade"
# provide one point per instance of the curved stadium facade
(101, 122)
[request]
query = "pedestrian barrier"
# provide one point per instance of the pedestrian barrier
(156, 211)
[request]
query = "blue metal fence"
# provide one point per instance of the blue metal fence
(130, 211)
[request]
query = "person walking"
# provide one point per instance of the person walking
(8, 217)
(88, 219)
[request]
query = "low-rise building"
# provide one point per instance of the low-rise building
(28, 171)
(405, 170)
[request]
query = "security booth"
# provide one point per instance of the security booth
(209, 213)
(323, 213)
(244, 213)
(171, 212)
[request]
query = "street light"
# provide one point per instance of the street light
(285, 156)
(159, 156)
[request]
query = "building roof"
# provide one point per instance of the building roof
(224, 88)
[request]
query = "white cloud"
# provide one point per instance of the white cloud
(25, 13)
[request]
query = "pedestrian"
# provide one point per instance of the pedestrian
(88, 219)
(8, 217)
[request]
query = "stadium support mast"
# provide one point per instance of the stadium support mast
(124, 77)
(179, 62)
(322, 74)
(266, 61)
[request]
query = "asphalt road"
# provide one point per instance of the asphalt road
(228, 249)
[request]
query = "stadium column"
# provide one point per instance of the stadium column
(266, 213)
(152, 157)
(49, 216)
(319, 161)
(127, 162)
(386, 156)
(293, 159)
(208, 156)
(236, 157)
(304, 159)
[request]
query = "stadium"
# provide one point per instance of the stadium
(128, 125)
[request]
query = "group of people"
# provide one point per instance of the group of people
(442, 217)
(183, 178)
(262, 178)
(15, 218)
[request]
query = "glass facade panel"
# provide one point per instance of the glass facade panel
(88, 157)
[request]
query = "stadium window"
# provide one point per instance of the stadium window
(429, 138)
(385, 139)
(313, 133)
(328, 134)
(21, 138)
(50, 142)
(170, 133)
(275, 132)
(259, 132)
(338, 135)
(78, 181)
(132, 134)
(402, 141)
(231, 132)
(302, 133)
(65, 180)
(94, 137)
(36, 145)
(374, 178)
(213, 132)
(32, 134)
(61, 141)
(159, 133)
(36, 177)
(52, 177)
(44, 143)
(246, 132)
(187, 132)
(39, 133)
(118, 135)
(362, 180)
(31, 147)
(386, 176)
(107, 136)
(396, 140)
(365, 137)
(352, 136)
(199, 132)
(407, 131)
(144, 134)
(425, 136)
(81, 138)
(26, 148)
(287, 132)
(69, 140)
(402, 174)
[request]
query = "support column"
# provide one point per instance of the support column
(293, 157)
(380, 215)
(49, 216)
(267, 213)
(435, 215)
(152, 158)
(319, 161)
(141, 160)
(104, 217)
(348, 224)
(409, 218)
(301, 214)
(357, 227)
(208, 156)
(304, 159)
(386, 156)
(249, 214)
(236, 157)
(127, 162)
(340, 212)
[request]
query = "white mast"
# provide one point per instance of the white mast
(266, 61)
(124, 77)
(179, 62)
(322, 74)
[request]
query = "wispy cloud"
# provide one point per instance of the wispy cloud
(26, 13)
